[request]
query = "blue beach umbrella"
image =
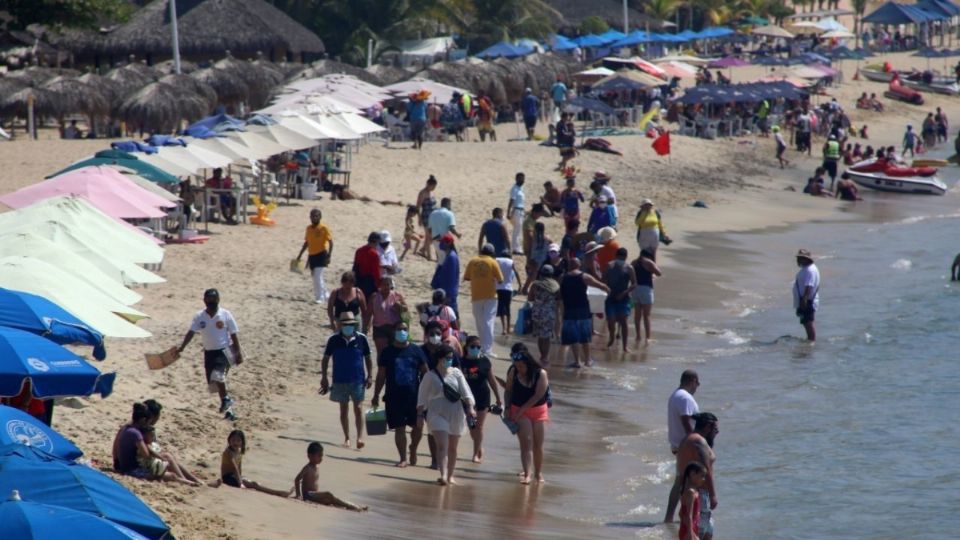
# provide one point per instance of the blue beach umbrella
(26, 520)
(52, 370)
(590, 40)
(42, 478)
(37, 315)
(18, 427)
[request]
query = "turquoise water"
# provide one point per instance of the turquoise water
(848, 438)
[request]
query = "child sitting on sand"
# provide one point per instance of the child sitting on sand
(231, 467)
(156, 468)
(307, 482)
(410, 235)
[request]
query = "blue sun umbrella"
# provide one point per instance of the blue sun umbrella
(36, 314)
(28, 520)
(46, 479)
(51, 370)
(18, 427)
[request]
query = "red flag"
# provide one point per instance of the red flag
(662, 144)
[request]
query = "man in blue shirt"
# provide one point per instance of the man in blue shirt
(351, 354)
(417, 116)
(400, 367)
(530, 107)
(494, 230)
(559, 94)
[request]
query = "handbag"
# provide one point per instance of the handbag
(449, 392)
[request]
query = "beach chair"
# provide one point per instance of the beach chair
(396, 134)
(687, 127)
(710, 131)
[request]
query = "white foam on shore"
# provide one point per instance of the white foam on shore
(902, 264)
(918, 219)
(733, 338)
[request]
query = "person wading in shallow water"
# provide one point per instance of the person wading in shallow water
(806, 292)
(698, 446)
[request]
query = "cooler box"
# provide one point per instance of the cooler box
(376, 421)
(308, 191)
(596, 298)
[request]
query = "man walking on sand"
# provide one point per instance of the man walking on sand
(515, 210)
(351, 354)
(218, 329)
(806, 292)
(318, 243)
(698, 446)
(484, 274)
(400, 367)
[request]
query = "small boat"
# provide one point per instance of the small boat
(899, 92)
(895, 178)
(932, 83)
(877, 75)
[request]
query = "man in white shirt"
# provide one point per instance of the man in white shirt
(806, 292)
(515, 209)
(389, 263)
(218, 329)
(680, 409)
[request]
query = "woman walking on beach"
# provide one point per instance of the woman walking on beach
(387, 306)
(479, 374)
(426, 202)
(346, 298)
(544, 298)
(527, 387)
(444, 400)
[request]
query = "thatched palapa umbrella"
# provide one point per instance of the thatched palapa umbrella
(35, 76)
(107, 87)
(198, 87)
(230, 88)
(260, 82)
(160, 107)
(45, 102)
(74, 96)
(130, 78)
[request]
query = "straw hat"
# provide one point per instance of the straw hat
(591, 247)
(606, 234)
(601, 175)
(347, 318)
(646, 202)
(805, 254)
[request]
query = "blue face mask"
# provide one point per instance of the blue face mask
(448, 362)
(401, 336)
(348, 330)
(473, 352)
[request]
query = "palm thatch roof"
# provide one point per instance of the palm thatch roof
(33, 76)
(230, 88)
(107, 87)
(75, 96)
(45, 102)
(389, 74)
(196, 86)
(329, 67)
(131, 77)
(160, 107)
(167, 66)
(260, 80)
(502, 79)
(208, 28)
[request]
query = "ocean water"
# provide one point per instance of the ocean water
(847, 438)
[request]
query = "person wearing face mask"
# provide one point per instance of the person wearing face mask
(387, 306)
(478, 371)
(219, 330)
(389, 263)
(400, 367)
(350, 352)
(433, 341)
(527, 394)
(446, 418)
(447, 274)
(601, 216)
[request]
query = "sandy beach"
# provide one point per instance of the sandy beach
(283, 331)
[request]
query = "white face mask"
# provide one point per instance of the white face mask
(434, 340)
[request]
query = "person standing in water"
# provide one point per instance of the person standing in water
(698, 447)
(806, 292)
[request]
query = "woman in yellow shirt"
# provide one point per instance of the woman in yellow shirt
(650, 228)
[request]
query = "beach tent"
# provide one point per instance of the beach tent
(580, 103)
(120, 239)
(685, 58)
(194, 158)
(53, 371)
(561, 43)
(122, 159)
(359, 124)
(111, 196)
(27, 520)
(216, 124)
(611, 36)
(152, 188)
(830, 23)
(27, 244)
(226, 147)
(678, 69)
(894, 13)
(42, 478)
(70, 239)
(504, 50)
(687, 35)
(633, 38)
(22, 428)
(32, 313)
(839, 34)
(125, 184)
(333, 122)
(621, 81)
(714, 32)
(306, 126)
(942, 8)
(69, 292)
(590, 40)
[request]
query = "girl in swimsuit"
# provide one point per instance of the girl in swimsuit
(694, 478)
(231, 467)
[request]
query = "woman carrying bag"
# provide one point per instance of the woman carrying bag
(445, 402)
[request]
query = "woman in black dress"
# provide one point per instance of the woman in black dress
(479, 373)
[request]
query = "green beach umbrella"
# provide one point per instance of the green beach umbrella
(123, 159)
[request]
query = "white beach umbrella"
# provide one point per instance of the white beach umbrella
(772, 31)
(287, 138)
(260, 146)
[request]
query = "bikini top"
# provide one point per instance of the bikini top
(353, 306)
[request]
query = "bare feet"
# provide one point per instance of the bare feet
(452, 482)
(441, 482)
(477, 459)
(540, 479)
(360, 444)
(346, 443)
(413, 457)
(525, 479)
(403, 464)
(216, 483)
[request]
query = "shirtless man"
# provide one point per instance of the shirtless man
(698, 446)
(307, 483)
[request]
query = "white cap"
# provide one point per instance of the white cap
(385, 237)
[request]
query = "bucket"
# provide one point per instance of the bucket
(308, 191)
(376, 421)
(596, 298)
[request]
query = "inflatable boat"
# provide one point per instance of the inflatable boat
(899, 92)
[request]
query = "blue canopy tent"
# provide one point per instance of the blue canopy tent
(51, 370)
(36, 314)
(632, 39)
(21, 428)
(123, 159)
(589, 104)
(165, 140)
(687, 35)
(590, 40)
(561, 43)
(504, 50)
(218, 123)
(611, 36)
(46, 479)
(740, 93)
(894, 13)
(134, 146)
(714, 32)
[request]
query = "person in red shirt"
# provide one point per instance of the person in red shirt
(227, 201)
(607, 237)
(366, 266)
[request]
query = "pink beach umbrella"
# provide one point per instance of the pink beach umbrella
(103, 187)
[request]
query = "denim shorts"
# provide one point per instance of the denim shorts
(576, 331)
(344, 392)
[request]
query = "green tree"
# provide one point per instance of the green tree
(715, 12)
(859, 8)
(66, 13)
(593, 25)
(661, 10)
(505, 20)
(779, 11)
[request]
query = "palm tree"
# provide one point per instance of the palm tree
(779, 11)
(491, 21)
(715, 12)
(859, 7)
(661, 10)
(756, 8)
